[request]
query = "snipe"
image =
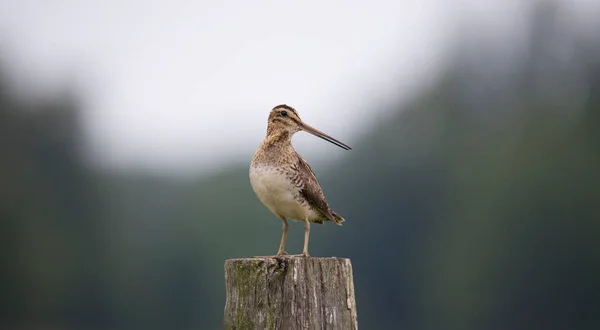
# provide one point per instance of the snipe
(283, 181)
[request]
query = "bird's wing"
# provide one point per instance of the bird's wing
(312, 190)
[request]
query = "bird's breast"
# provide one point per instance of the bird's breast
(273, 184)
(279, 191)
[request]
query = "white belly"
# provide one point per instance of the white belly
(278, 194)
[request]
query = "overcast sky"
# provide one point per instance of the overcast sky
(180, 85)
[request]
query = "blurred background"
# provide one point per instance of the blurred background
(471, 195)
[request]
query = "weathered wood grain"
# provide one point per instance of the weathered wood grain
(289, 293)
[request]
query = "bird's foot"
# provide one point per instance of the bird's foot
(280, 254)
(303, 254)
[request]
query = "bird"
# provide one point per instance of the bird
(284, 182)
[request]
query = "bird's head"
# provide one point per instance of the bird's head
(285, 118)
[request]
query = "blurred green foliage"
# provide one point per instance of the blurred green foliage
(475, 206)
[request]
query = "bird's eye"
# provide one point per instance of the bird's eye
(284, 113)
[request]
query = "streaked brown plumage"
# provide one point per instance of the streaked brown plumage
(283, 181)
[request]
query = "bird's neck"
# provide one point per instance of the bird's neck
(275, 149)
(277, 137)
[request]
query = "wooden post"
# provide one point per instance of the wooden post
(289, 293)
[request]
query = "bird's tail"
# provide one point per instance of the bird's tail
(337, 219)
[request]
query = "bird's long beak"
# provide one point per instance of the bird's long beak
(316, 132)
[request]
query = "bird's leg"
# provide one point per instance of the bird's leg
(281, 250)
(306, 234)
